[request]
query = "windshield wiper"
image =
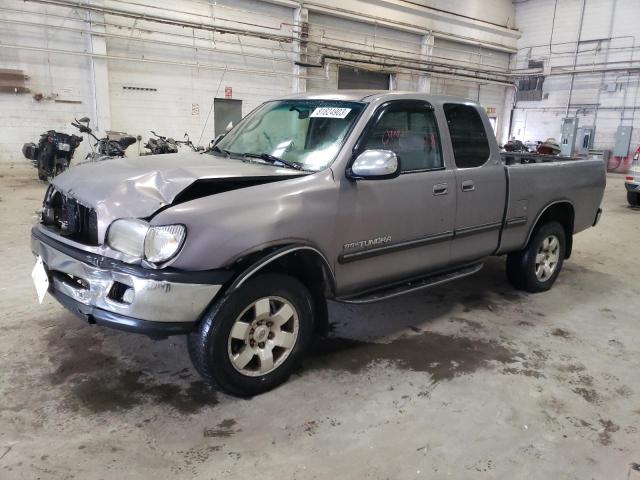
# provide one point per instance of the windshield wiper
(267, 157)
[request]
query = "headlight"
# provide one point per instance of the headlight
(127, 236)
(163, 242)
(137, 238)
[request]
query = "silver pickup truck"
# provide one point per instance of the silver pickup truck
(351, 196)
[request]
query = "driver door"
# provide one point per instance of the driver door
(391, 229)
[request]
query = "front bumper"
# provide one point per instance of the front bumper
(112, 293)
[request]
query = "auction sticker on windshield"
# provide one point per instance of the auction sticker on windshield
(330, 112)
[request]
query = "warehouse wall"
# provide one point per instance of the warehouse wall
(349, 33)
(181, 98)
(135, 75)
(67, 84)
(605, 99)
(491, 96)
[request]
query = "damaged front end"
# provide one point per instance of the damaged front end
(100, 272)
(67, 217)
(112, 293)
(140, 187)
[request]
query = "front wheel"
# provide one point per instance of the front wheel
(633, 198)
(251, 340)
(536, 268)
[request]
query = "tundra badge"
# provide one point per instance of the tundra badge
(367, 243)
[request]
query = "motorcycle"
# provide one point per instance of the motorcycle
(190, 144)
(549, 147)
(53, 153)
(514, 145)
(160, 145)
(105, 147)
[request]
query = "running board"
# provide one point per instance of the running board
(413, 285)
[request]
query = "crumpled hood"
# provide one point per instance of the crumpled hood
(136, 187)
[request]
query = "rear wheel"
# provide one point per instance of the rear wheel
(251, 341)
(633, 198)
(536, 268)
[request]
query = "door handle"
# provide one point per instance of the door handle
(468, 186)
(440, 189)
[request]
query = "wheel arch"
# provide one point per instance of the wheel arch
(561, 211)
(304, 262)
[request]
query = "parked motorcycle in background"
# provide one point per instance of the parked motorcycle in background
(514, 145)
(160, 145)
(105, 147)
(53, 153)
(549, 147)
(190, 144)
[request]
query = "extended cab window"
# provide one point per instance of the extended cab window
(410, 131)
(468, 135)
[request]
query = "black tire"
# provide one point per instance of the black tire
(208, 344)
(521, 266)
(59, 169)
(60, 166)
(42, 176)
(633, 198)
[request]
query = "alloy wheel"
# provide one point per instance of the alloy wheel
(547, 258)
(263, 336)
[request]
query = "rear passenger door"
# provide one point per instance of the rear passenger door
(480, 183)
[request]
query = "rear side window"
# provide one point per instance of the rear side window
(409, 130)
(468, 135)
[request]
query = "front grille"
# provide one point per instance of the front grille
(69, 218)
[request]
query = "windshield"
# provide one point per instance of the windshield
(305, 133)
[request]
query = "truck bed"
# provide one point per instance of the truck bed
(534, 179)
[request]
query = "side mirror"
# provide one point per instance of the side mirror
(374, 165)
(228, 127)
(84, 120)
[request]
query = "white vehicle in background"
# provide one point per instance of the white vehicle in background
(632, 183)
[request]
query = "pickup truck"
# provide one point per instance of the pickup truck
(351, 196)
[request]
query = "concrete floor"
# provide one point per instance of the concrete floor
(468, 380)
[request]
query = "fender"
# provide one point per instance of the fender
(276, 254)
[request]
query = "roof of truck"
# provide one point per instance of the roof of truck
(367, 95)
